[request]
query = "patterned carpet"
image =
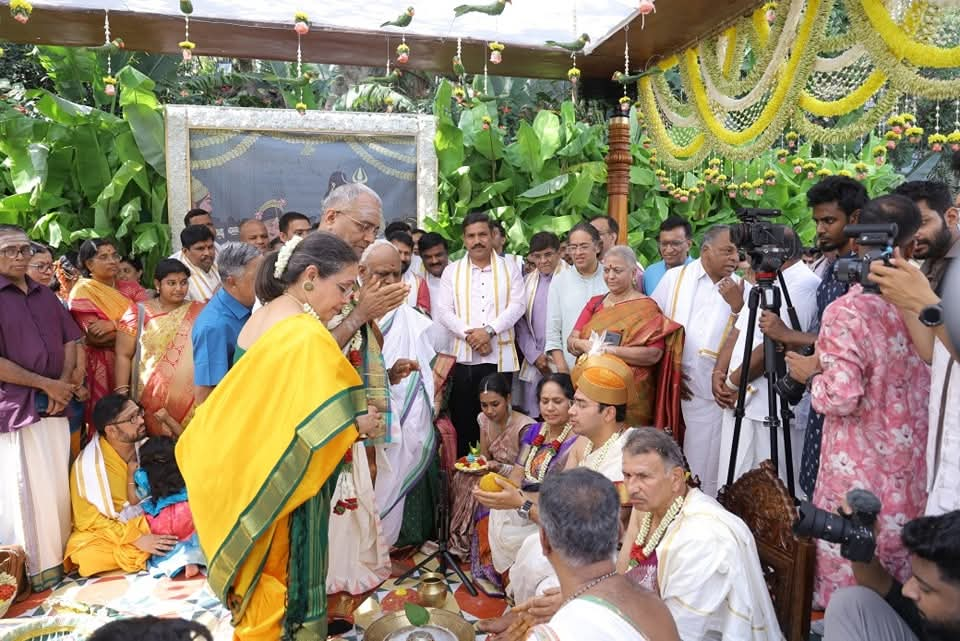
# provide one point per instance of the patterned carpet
(82, 605)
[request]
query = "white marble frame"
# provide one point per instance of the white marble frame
(180, 119)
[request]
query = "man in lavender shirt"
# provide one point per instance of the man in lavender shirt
(38, 342)
(531, 330)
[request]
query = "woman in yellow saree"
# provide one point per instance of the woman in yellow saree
(262, 455)
(637, 332)
(154, 355)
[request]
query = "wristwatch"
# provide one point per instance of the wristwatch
(524, 510)
(490, 331)
(932, 315)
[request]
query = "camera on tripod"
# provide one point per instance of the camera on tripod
(879, 241)
(854, 531)
(763, 241)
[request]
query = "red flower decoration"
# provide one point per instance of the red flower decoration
(636, 553)
(554, 445)
(348, 457)
(355, 359)
(7, 592)
(538, 441)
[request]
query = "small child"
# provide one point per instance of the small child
(163, 497)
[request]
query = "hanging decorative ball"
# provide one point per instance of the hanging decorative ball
(722, 179)
(770, 177)
(892, 137)
(301, 107)
(486, 120)
(770, 12)
(573, 75)
(403, 53)
(953, 138)
(388, 104)
(683, 194)
(732, 193)
(936, 141)
(625, 104)
(746, 188)
(186, 50)
(496, 52)
(459, 94)
(646, 143)
(879, 155)
(810, 168)
(646, 7)
(21, 10)
(792, 138)
(914, 134)
(823, 173)
(186, 6)
(846, 173)
(782, 156)
(798, 165)
(896, 124)
(110, 85)
(701, 186)
(301, 23)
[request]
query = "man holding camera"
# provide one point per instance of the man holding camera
(926, 607)
(872, 386)
(938, 239)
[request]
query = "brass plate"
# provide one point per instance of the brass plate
(382, 628)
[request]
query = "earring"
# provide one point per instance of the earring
(308, 286)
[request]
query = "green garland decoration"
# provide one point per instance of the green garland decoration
(863, 125)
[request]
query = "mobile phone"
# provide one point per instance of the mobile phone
(41, 402)
(612, 338)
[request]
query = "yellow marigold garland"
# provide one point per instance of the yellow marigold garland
(901, 43)
(873, 83)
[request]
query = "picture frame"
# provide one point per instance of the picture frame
(262, 162)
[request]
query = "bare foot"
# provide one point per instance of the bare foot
(191, 570)
(497, 624)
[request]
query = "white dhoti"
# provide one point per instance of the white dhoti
(701, 441)
(507, 533)
(35, 501)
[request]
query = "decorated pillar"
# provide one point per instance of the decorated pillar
(618, 173)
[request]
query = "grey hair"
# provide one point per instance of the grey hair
(644, 440)
(343, 195)
(580, 514)
(372, 247)
(712, 234)
(625, 253)
(233, 258)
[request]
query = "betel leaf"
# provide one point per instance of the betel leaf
(417, 615)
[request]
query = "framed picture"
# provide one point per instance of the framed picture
(240, 163)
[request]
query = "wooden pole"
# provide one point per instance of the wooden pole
(618, 173)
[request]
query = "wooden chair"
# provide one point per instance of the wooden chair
(761, 499)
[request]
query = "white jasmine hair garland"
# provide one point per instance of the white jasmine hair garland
(283, 257)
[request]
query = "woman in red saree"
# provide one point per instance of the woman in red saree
(154, 353)
(97, 302)
(634, 329)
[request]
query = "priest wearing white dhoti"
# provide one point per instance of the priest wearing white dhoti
(481, 300)
(696, 295)
(754, 442)
(407, 335)
(680, 543)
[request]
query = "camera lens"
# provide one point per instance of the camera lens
(820, 524)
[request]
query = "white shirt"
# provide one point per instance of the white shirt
(569, 292)
(434, 285)
(483, 309)
(943, 467)
(802, 286)
(687, 295)
(203, 284)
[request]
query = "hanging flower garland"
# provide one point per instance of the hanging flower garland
(109, 82)
(186, 46)
(21, 10)
(301, 26)
(496, 52)
(900, 41)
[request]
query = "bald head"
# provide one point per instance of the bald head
(254, 232)
(381, 260)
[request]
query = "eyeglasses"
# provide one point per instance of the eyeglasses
(14, 251)
(41, 267)
(121, 421)
(540, 257)
(362, 227)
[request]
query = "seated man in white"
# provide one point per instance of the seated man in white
(682, 544)
(579, 532)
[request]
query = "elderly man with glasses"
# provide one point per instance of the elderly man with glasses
(38, 352)
(109, 534)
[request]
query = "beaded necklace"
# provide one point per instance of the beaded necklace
(552, 448)
(641, 551)
(587, 587)
(601, 453)
(305, 306)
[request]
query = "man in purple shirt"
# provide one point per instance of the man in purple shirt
(531, 330)
(37, 356)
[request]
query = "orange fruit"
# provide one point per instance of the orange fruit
(489, 482)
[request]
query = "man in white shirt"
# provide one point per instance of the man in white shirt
(754, 442)
(435, 256)
(704, 296)
(481, 299)
(199, 254)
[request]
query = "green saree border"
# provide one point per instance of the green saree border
(316, 430)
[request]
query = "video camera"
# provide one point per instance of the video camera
(854, 531)
(879, 239)
(764, 242)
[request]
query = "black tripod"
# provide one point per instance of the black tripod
(444, 559)
(766, 295)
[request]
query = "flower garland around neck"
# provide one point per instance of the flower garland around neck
(553, 447)
(601, 453)
(356, 341)
(643, 548)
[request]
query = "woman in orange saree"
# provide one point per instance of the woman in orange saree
(634, 329)
(97, 302)
(154, 360)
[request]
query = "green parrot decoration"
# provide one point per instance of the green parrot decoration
(624, 79)
(111, 48)
(186, 7)
(402, 20)
(494, 9)
(458, 69)
(574, 47)
(389, 79)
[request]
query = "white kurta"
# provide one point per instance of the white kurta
(688, 295)
(943, 442)
(754, 445)
(604, 620)
(709, 575)
(203, 285)
(569, 292)
(532, 573)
